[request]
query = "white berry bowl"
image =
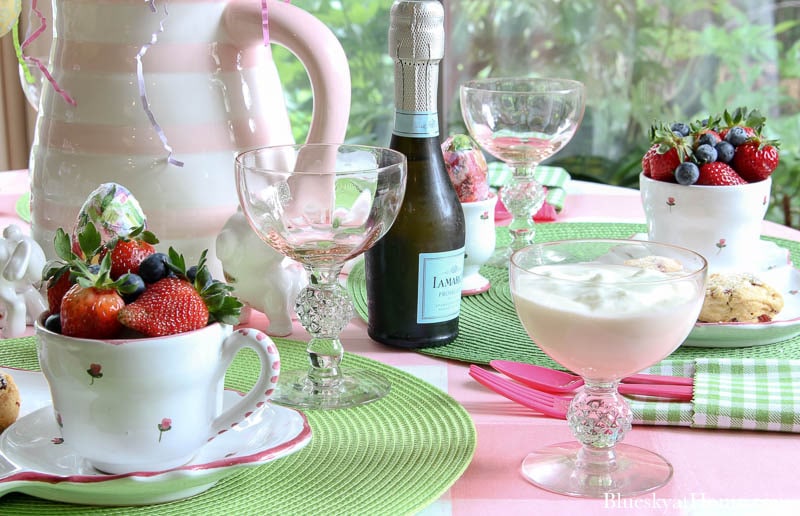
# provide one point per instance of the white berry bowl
(723, 223)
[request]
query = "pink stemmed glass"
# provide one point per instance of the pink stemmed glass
(322, 205)
(521, 121)
(596, 308)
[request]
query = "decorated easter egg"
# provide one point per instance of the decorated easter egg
(113, 210)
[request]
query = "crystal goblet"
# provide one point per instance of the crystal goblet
(604, 309)
(322, 205)
(521, 121)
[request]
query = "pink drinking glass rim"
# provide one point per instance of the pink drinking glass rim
(489, 84)
(624, 241)
(620, 241)
(399, 159)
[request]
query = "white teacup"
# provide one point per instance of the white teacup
(723, 223)
(479, 243)
(149, 404)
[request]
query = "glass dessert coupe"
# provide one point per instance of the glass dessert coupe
(322, 205)
(521, 121)
(602, 309)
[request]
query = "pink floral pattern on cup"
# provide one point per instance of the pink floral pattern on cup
(95, 371)
(164, 426)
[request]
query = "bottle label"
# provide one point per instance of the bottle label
(416, 124)
(439, 296)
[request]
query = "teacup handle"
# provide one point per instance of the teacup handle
(261, 392)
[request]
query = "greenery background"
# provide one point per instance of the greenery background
(641, 61)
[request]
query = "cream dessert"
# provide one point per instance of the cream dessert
(606, 321)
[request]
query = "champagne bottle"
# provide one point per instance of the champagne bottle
(414, 272)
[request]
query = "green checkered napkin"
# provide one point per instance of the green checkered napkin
(554, 178)
(730, 393)
(673, 413)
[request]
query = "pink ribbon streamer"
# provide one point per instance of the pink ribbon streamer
(42, 68)
(142, 89)
(265, 21)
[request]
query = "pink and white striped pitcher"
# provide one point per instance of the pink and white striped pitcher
(159, 96)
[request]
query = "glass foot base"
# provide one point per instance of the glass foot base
(355, 387)
(500, 258)
(636, 471)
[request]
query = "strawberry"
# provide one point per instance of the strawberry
(91, 312)
(90, 308)
(648, 158)
(751, 121)
(175, 304)
(755, 160)
(667, 151)
(170, 305)
(127, 255)
(58, 285)
(57, 274)
(128, 252)
(663, 165)
(718, 173)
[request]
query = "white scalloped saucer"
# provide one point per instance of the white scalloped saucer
(34, 462)
(773, 265)
(783, 326)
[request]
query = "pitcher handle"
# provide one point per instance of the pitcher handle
(315, 45)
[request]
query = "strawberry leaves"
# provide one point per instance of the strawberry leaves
(222, 305)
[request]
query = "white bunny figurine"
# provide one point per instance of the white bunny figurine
(261, 277)
(21, 265)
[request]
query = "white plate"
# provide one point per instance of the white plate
(768, 256)
(773, 265)
(785, 325)
(33, 462)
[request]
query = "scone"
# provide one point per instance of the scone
(656, 263)
(739, 297)
(9, 401)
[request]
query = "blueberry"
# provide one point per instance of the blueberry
(736, 136)
(705, 154)
(725, 151)
(679, 128)
(53, 323)
(94, 269)
(154, 267)
(708, 139)
(191, 273)
(687, 173)
(132, 287)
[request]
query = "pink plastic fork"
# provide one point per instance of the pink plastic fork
(532, 377)
(548, 404)
(542, 402)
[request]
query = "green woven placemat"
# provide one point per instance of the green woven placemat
(489, 328)
(394, 456)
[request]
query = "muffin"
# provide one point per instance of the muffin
(656, 263)
(9, 401)
(739, 297)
